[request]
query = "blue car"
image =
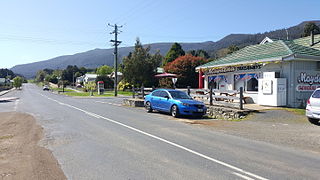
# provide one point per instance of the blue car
(175, 102)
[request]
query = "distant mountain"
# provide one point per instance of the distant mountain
(98, 57)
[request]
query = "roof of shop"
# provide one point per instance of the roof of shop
(272, 50)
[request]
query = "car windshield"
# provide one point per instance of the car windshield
(179, 95)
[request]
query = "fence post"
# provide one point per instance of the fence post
(210, 93)
(142, 91)
(133, 92)
(188, 90)
(241, 98)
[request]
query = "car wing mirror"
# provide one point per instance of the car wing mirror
(167, 97)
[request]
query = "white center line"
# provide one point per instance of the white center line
(165, 141)
(242, 176)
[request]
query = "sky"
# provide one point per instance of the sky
(35, 30)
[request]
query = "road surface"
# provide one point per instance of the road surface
(97, 138)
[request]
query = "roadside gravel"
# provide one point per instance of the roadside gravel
(20, 155)
(279, 127)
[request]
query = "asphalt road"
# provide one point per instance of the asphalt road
(99, 139)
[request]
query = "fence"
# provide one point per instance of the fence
(141, 92)
(228, 98)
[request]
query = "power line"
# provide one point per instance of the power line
(116, 43)
(46, 40)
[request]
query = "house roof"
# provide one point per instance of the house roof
(272, 51)
(90, 76)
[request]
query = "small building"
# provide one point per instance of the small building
(289, 69)
(86, 78)
(119, 77)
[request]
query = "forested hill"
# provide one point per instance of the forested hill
(98, 57)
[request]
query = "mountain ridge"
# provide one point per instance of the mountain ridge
(97, 57)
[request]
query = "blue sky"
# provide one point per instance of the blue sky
(36, 30)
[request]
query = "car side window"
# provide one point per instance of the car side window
(164, 94)
(156, 93)
(316, 94)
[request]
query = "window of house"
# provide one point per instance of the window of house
(252, 84)
(249, 82)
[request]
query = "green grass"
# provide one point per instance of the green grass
(296, 111)
(106, 93)
(6, 137)
(60, 89)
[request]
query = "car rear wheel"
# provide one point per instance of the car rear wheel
(175, 111)
(148, 107)
(314, 121)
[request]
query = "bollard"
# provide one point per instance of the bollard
(142, 91)
(133, 93)
(241, 98)
(188, 90)
(210, 93)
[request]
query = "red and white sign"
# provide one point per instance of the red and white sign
(308, 82)
(306, 88)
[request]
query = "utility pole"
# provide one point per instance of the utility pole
(116, 43)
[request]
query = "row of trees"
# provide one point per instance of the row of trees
(68, 76)
(140, 67)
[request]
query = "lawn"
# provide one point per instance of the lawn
(106, 94)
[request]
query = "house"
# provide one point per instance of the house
(275, 72)
(119, 77)
(86, 78)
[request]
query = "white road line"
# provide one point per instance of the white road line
(114, 104)
(16, 105)
(165, 141)
(242, 176)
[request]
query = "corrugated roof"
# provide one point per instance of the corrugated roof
(273, 50)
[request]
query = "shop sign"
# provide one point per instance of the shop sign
(308, 82)
(232, 69)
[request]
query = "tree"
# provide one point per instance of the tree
(40, 76)
(17, 82)
(310, 26)
(69, 74)
(232, 48)
(4, 73)
(184, 67)
(140, 66)
(174, 52)
(90, 86)
(104, 70)
(108, 82)
(199, 53)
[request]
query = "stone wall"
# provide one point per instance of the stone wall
(218, 112)
(133, 102)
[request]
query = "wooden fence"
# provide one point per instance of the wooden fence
(227, 98)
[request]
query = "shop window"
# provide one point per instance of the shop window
(252, 84)
(213, 84)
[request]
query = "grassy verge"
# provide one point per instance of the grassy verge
(296, 111)
(60, 89)
(106, 94)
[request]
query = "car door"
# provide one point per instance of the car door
(155, 100)
(164, 102)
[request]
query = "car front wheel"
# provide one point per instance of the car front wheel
(175, 111)
(148, 107)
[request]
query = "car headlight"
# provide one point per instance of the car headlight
(185, 104)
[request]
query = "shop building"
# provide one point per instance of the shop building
(274, 72)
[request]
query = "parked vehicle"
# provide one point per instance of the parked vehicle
(175, 102)
(313, 107)
(46, 88)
